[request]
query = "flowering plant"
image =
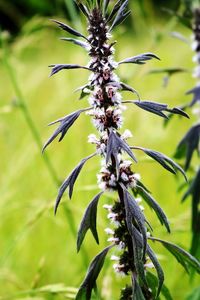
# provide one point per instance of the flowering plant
(130, 232)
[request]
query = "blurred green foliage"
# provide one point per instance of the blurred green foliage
(38, 251)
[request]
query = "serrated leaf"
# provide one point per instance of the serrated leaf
(158, 268)
(65, 123)
(163, 160)
(196, 95)
(69, 29)
(70, 181)
(188, 144)
(182, 256)
(114, 146)
(89, 282)
(89, 222)
(133, 212)
(82, 44)
(121, 15)
(59, 67)
(139, 59)
(154, 205)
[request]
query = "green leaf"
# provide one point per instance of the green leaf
(89, 282)
(182, 256)
(89, 222)
(137, 292)
(152, 282)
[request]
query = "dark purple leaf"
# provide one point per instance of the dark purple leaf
(85, 290)
(122, 14)
(114, 10)
(126, 87)
(70, 181)
(115, 145)
(133, 212)
(163, 160)
(82, 44)
(57, 68)
(182, 256)
(65, 123)
(157, 108)
(84, 9)
(89, 222)
(69, 29)
(196, 95)
(188, 144)
(158, 268)
(154, 205)
(139, 59)
(105, 5)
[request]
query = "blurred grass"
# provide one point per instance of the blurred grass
(29, 231)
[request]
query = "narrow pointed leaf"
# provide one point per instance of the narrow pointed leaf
(196, 95)
(116, 144)
(105, 5)
(133, 212)
(69, 29)
(164, 161)
(158, 108)
(158, 268)
(70, 181)
(121, 15)
(126, 87)
(84, 10)
(182, 256)
(154, 205)
(59, 67)
(139, 59)
(65, 123)
(188, 144)
(137, 292)
(89, 282)
(82, 44)
(89, 222)
(114, 10)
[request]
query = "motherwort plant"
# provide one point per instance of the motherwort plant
(129, 231)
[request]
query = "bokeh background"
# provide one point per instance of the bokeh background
(38, 250)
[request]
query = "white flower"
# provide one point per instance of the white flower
(124, 177)
(115, 258)
(126, 135)
(119, 269)
(138, 200)
(196, 72)
(149, 265)
(121, 246)
(93, 139)
(108, 207)
(194, 45)
(125, 164)
(109, 231)
(113, 240)
(137, 176)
